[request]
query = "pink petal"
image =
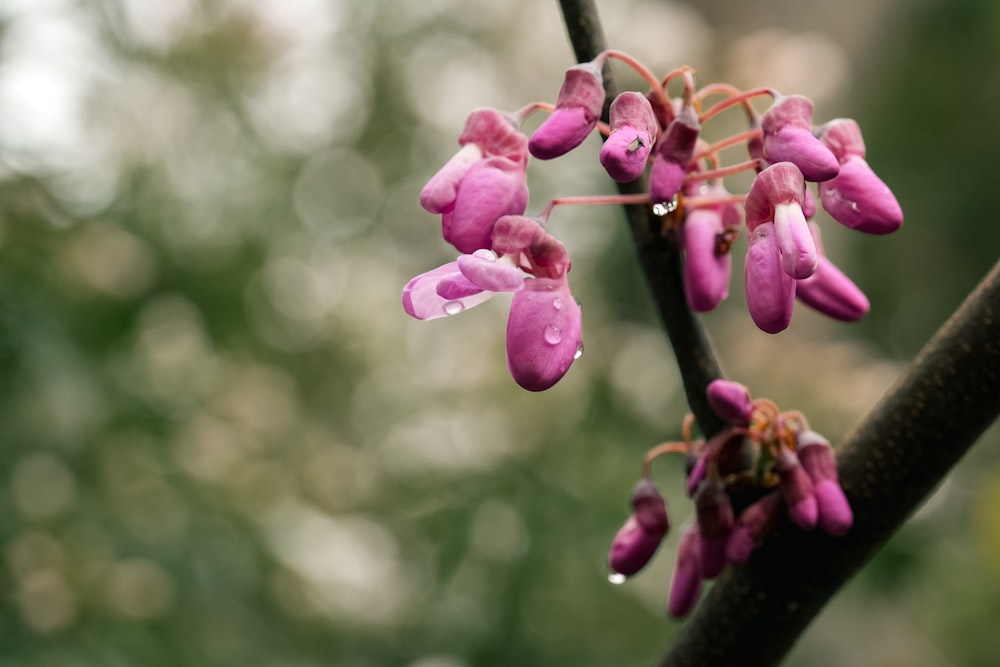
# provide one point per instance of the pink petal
(498, 135)
(485, 271)
(633, 547)
(730, 400)
(543, 333)
(706, 270)
(770, 291)
(493, 187)
(835, 515)
(625, 153)
(832, 293)
(422, 301)
(685, 585)
(857, 198)
(439, 194)
(799, 255)
(561, 132)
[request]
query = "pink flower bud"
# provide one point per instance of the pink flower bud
(707, 261)
(633, 133)
(672, 156)
(832, 293)
(685, 585)
(730, 400)
(640, 537)
(515, 233)
(858, 199)
(797, 490)
(770, 290)
(816, 455)
(788, 137)
(756, 521)
(578, 108)
(715, 519)
(543, 333)
(492, 187)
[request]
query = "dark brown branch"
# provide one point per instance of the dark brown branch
(890, 463)
(659, 253)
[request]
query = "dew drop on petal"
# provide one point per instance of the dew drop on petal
(557, 303)
(616, 578)
(453, 307)
(553, 334)
(579, 351)
(664, 207)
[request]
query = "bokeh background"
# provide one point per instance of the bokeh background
(223, 443)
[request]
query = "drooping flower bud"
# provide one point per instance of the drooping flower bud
(770, 291)
(715, 520)
(640, 537)
(753, 523)
(816, 455)
(707, 261)
(797, 490)
(730, 400)
(633, 133)
(543, 333)
(672, 155)
(788, 137)
(686, 582)
(578, 109)
(856, 197)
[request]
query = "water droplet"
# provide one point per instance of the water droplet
(557, 303)
(664, 207)
(552, 334)
(616, 578)
(579, 351)
(453, 307)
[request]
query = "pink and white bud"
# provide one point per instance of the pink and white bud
(672, 156)
(731, 401)
(770, 291)
(686, 582)
(777, 195)
(788, 137)
(578, 108)
(797, 490)
(543, 333)
(756, 521)
(715, 520)
(818, 460)
(492, 187)
(640, 537)
(633, 133)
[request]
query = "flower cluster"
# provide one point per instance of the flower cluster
(481, 195)
(769, 456)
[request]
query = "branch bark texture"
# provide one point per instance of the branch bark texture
(888, 465)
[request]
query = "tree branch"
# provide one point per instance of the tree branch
(890, 463)
(659, 253)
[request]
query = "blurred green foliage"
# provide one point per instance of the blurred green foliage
(225, 444)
